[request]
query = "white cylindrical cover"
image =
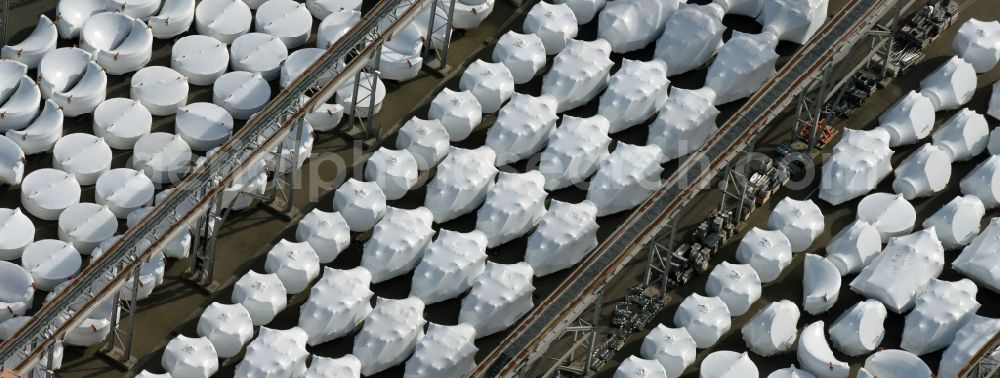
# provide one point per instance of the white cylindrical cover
(895, 363)
(92, 330)
(361, 204)
(84, 155)
(728, 364)
(768, 252)
(12, 162)
(395, 171)
(470, 13)
(121, 122)
(275, 353)
(347, 366)
(951, 85)
(21, 103)
(17, 292)
(957, 222)
(673, 348)
(969, 340)
(579, 73)
(258, 53)
(160, 89)
(523, 54)
(736, 284)
(902, 270)
(86, 225)
(74, 13)
(978, 42)
(491, 83)
(685, 122)
(335, 25)
(773, 329)
(222, 19)
(327, 233)
(190, 357)
(742, 65)
(241, 93)
(635, 367)
(984, 182)
(326, 117)
(16, 232)
(459, 112)
(963, 136)
(32, 48)
(449, 266)
(297, 63)
(793, 20)
(859, 162)
(322, 9)
(390, 334)
(860, 329)
(978, 260)
(891, 214)
(426, 140)
(364, 108)
(793, 372)
(118, 42)
(815, 355)
(461, 183)
(263, 295)
(445, 351)
(42, 133)
(163, 157)
(288, 20)
(174, 18)
(296, 264)
(499, 297)
(635, 93)
(201, 58)
(925, 172)
(820, 284)
(204, 125)
(513, 206)
(46, 192)
(854, 247)
(554, 24)
(69, 77)
(632, 24)
(565, 235)
(705, 318)
(625, 178)
(691, 37)
(140, 9)
(50, 262)
(575, 151)
(800, 221)
(908, 120)
(227, 326)
(337, 303)
(522, 127)
(583, 10)
(398, 242)
(939, 311)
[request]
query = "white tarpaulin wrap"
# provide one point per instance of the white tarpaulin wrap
(565, 235)
(854, 247)
(361, 204)
(21, 103)
(68, 77)
(625, 178)
(705, 318)
(938, 313)
(227, 326)
(951, 85)
(820, 284)
(262, 295)
(121, 122)
(635, 367)
(470, 13)
(459, 112)
(337, 303)
(793, 20)
(499, 297)
(736, 284)
(800, 221)
(335, 26)
(749, 8)
(398, 242)
(685, 122)
(895, 363)
(275, 354)
(743, 64)
(222, 19)
(322, 9)
(691, 37)
(74, 13)
(984, 182)
(46, 192)
(902, 270)
(118, 42)
(859, 162)
(523, 54)
(978, 42)
(635, 93)
(768, 252)
(969, 339)
(979, 260)
(390, 334)
(461, 183)
(963, 136)
(957, 222)
(891, 214)
(31, 49)
(203, 125)
(575, 151)
(491, 83)
(86, 225)
(860, 329)
(555, 24)
(909, 120)
(522, 127)
(50, 262)
(772, 330)
(17, 290)
(513, 206)
(673, 348)
(296, 264)
(42, 133)
(174, 18)
(923, 173)
(241, 93)
(579, 73)
(327, 233)
(140, 9)
(288, 20)
(401, 58)
(324, 367)
(815, 355)
(123, 191)
(326, 117)
(160, 89)
(258, 53)
(164, 157)
(449, 266)
(632, 24)
(395, 171)
(85, 156)
(728, 364)
(16, 232)
(445, 351)
(583, 10)
(190, 357)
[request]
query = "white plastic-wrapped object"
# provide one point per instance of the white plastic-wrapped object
(957, 222)
(119, 43)
(73, 13)
(222, 19)
(227, 326)
(325, 117)
(121, 122)
(50, 262)
(190, 357)
(241, 93)
(685, 122)
(908, 120)
(673, 348)
(728, 364)
(42, 133)
(860, 329)
(984, 182)
(337, 303)
(262, 295)
(364, 108)
(575, 151)
(140, 9)
(513, 206)
(174, 18)
(815, 355)
(86, 225)
(632, 24)
(449, 266)
(951, 85)
(445, 351)
(902, 270)
(625, 178)
(258, 53)
(491, 83)
(459, 112)
(940, 310)
(742, 65)
(160, 89)
(10, 326)
(151, 272)
(635, 367)
(791, 372)
(18, 290)
(12, 164)
(83, 155)
(322, 9)
(274, 354)
(583, 10)
(94, 328)
(969, 339)
(288, 20)
(800, 221)
(163, 157)
(554, 24)
(963, 136)
(522, 127)
(565, 235)
(853, 247)
(200, 58)
(923, 173)
(579, 73)
(994, 106)
(178, 248)
(978, 42)
(361, 204)
(390, 334)
(297, 62)
(890, 214)
(426, 140)
(523, 54)
(499, 297)
(295, 150)
(46, 192)
(16, 232)
(21, 105)
(895, 363)
(335, 25)
(461, 183)
(327, 233)
(296, 264)
(69, 77)
(820, 284)
(401, 57)
(398, 242)
(691, 37)
(979, 261)
(347, 366)
(147, 374)
(773, 329)
(768, 252)
(705, 318)
(736, 284)
(793, 20)
(203, 125)
(859, 162)
(32, 48)
(635, 93)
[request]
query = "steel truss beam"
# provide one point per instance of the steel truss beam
(582, 333)
(119, 340)
(986, 363)
(661, 250)
(439, 29)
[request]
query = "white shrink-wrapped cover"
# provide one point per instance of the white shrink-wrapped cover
(362, 204)
(74, 13)
(222, 19)
(979, 260)
(891, 214)
(426, 140)
(566, 234)
(337, 303)
(736, 284)
(275, 354)
(895, 363)
(860, 329)
(164, 157)
(20, 101)
(94, 328)
(969, 339)
(982, 182)
(12, 163)
(325, 117)
(445, 351)
(705, 318)
(951, 85)
(963, 136)
(46, 192)
(773, 329)
(241, 93)
(522, 127)
(449, 266)
(908, 120)
(575, 150)
(263, 295)
(635, 93)
(815, 355)
(728, 364)
(742, 65)
(793, 20)
(401, 57)
(17, 290)
(327, 233)
(190, 357)
(583, 10)
(491, 83)
(800, 221)
(140, 9)
(151, 272)
(50, 262)
(513, 206)
(203, 125)
(147, 374)
(854, 247)
(69, 77)
(390, 334)
(635, 367)
(902, 270)
(632, 24)
(749, 8)
(673, 348)
(321, 9)
(791, 372)
(121, 122)
(925, 172)
(625, 178)
(395, 171)
(42, 133)
(579, 73)
(957, 222)
(86, 225)
(258, 53)
(85, 156)
(978, 42)
(820, 284)
(118, 42)
(325, 367)
(523, 54)
(470, 13)
(123, 191)
(31, 49)
(296, 264)
(685, 122)
(994, 106)
(288, 20)
(691, 37)
(461, 183)
(16, 232)
(227, 326)
(499, 297)
(174, 18)
(554, 24)
(768, 252)
(938, 314)
(335, 26)
(398, 242)
(459, 112)
(160, 89)
(859, 162)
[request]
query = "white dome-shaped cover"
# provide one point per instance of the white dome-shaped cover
(513, 206)
(222, 19)
(957, 222)
(994, 106)
(296, 264)
(119, 43)
(46, 192)
(31, 49)
(325, 117)
(579, 73)
(174, 18)
(200, 58)
(322, 9)
(800, 221)
(160, 89)
(908, 120)
(190, 357)
(768, 252)
(288, 20)
(401, 58)
(635, 93)
(297, 62)
(241, 93)
(361, 204)
(445, 351)
(705, 318)
(951, 85)
(499, 297)
(895, 363)
(891, 214)
(18, 290)
(583, 10)
(337, 303)
(860, 329)
(554, 24)
(625, 178)
(854, 247)
(85, 156)
(673, 348)
(69, 77)
(523, 54)
(347, 366)
(345, 95)
(522, 127)
(632, 24)
(969, 339)
(790, 372)
(979, 260)
(335, 25)
(470, 13)
(121, 122)
(275, 353)
(12, 164)
(902, 270)
(395, 171)
(398, 242)
(984, 182)
(164, 157)
(20, 105)
(793, 20)
(73, 13)
(50, 262)
(685, 122)
(575, 151)
(736, 284)
(42, 133)
(742, 65)
(940, 310)
(203, 125)
(459, 112)
(923, 173)
(227, 326)
(461, 183)
(691, 37)
(16, 232)
(978, 42)
(426, 140)
(815, 355)
(565, 235)
(635, 367)
(859, 162)
(327, 233)
(820, 284)
(86, 225)
(963, 136)
(390, 334)
(773, 329)
(449, 266)
(728, 364)
(258, 53)
(491, 83)
(263, 295)
(140, 9)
